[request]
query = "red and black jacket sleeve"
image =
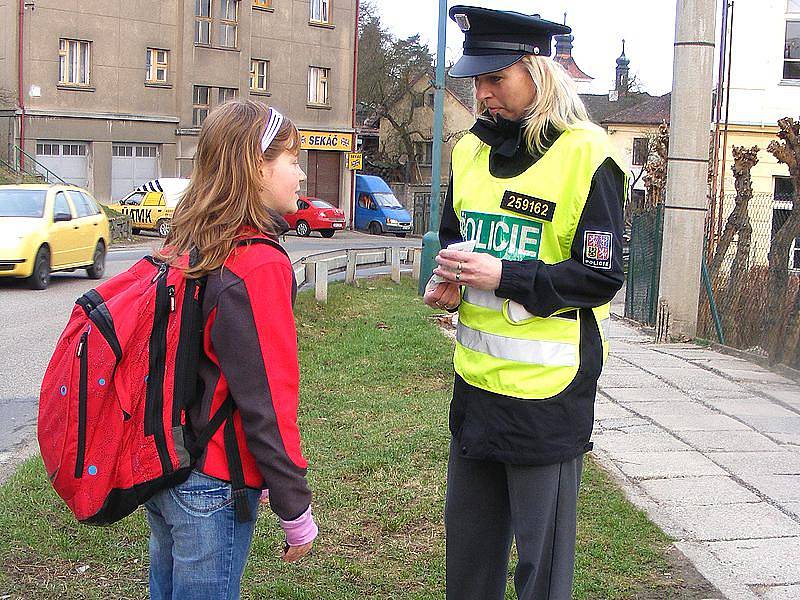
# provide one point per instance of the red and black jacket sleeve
(255, 340)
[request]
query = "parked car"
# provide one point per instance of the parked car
(314, 214)
(46, 228)
(150, 206)
(377, 209)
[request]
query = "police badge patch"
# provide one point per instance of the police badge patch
(597, 249)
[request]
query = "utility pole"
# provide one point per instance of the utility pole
(687, 167)
(430, 241)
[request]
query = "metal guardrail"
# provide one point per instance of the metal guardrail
(316, 269)
(39, 171)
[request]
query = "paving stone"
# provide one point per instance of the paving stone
(787, 393)
(608, 410)
(783, 592)
(794, 508)
(722, 441)
(693, 422)
(669, 407)
(757, 407)
(640, 439)
(621, 423)
(744, 464)
(639, 394)
(782, 488)
(773, 424)
(722, 576)
(634, 380)
(761, 561)
(698, 490)
(751, 375)
(733, 521)
(788, 441)
(657, 465)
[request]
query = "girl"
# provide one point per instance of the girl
(246, 175)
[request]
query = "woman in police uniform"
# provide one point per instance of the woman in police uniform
(537, 187)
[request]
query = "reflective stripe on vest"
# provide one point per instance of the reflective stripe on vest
(532, 352)
(483, 298)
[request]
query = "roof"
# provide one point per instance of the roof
(601, 108)
(572, 67)
(653, 111)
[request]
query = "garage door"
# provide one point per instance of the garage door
(323, 176)
(65, 159)
(131, 166)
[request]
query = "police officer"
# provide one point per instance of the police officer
(538, 189)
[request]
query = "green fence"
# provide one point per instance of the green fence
(644, 261)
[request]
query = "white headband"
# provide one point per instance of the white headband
(273, 126)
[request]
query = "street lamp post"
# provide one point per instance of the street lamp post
(430, 241)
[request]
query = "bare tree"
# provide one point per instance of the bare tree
(787, 151)
(655, 178)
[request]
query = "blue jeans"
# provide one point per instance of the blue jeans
(198, 549)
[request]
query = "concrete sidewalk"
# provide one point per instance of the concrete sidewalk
(709, 446)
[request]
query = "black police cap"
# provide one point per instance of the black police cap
(496, 39)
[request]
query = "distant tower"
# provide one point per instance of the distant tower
(623, 70)
(564, 57)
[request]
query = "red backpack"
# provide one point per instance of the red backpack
(113, 405)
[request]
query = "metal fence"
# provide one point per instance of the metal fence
(644, 263)
(422, 209)
(735, 302)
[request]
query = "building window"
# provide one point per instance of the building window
(793, 6)
(202, 22)
(429, 99)
(200, 102)
(73, 149)
(120, 151)
(157, 62)
(43, 149)
(146, 151)
(417, 100)
(318, 85)
(423, 153)
(641, 148)
(791, 51)
(74, 58)
(262, 3)
(226, 94)
(782, 189)
(320, 11)
(259, 69)
(229, 19)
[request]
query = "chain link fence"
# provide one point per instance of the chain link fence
(737, 289)
(644, 265)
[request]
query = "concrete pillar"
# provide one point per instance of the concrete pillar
(321, 282)
(687, 168)
(100, 172)
(396, 264)
(350, 270)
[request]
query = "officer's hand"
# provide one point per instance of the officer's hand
(293, 553)
(478, 270)
(443, 295)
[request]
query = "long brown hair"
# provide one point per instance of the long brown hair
(224, 194)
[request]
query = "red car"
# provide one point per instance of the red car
(314, 214)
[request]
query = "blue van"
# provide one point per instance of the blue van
(377, 209)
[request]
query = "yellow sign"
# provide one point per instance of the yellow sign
(326, 140)
(355, 161)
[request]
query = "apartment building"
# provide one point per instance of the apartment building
(114, 93)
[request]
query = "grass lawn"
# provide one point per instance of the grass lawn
(376, 379)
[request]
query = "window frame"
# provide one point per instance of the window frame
(795, 20)
(318, 85)
(153, 66)
(199, 107)
(324, 10)
(72, 58)
(224, 94)
(634, 154)
(228, 24)
(255, 63)
(263, 4)
(202, 19)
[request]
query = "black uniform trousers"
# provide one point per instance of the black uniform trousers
(488, 505)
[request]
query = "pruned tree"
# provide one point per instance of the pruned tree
(786, 151)
(655, 178)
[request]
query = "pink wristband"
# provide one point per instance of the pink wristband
(301, 530)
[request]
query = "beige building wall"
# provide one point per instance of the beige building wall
(119, 106)
(457, 119)
(622, 137)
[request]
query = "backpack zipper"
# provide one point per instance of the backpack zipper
(83, 354)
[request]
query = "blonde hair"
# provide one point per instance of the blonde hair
(224, 194)
(557, 104)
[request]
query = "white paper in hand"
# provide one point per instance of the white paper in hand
(467, 246)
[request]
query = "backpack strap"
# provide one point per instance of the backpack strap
(236, 472)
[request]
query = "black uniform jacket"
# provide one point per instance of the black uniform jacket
(491, 426)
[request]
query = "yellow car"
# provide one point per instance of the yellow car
(45, 228)
(150, 206)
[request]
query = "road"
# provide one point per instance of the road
(31, 321)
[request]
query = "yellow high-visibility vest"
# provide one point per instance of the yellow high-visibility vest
(531, 216)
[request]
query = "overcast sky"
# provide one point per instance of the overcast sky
(648, 27)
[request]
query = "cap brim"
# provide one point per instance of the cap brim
(472, 66)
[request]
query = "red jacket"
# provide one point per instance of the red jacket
(250, 353)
